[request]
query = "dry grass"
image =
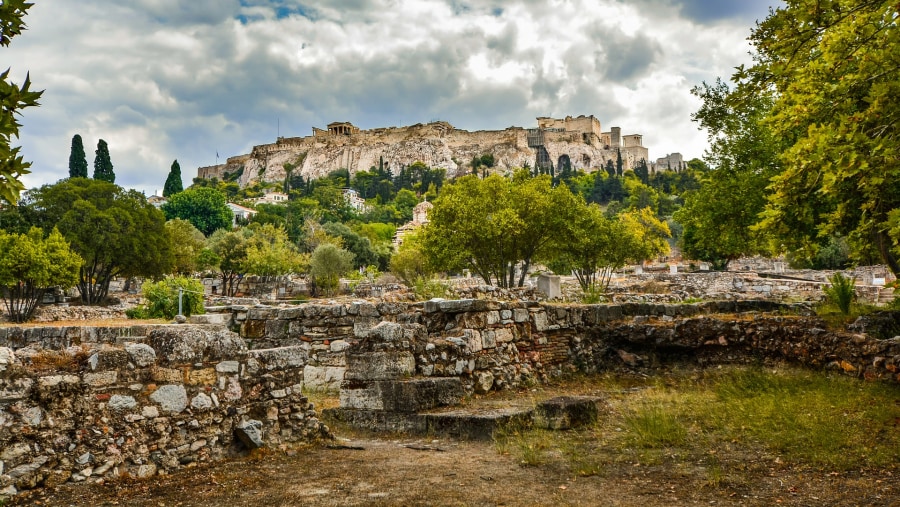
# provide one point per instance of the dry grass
(46, 360)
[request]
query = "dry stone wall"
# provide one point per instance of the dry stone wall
(87, 404)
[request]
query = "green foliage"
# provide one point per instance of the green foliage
(187, 245)
(832, 66)
(359, 246)
(173, 181)
(115, 231)
(650, 233)
(409, 262)
(78, 167)
(653, 426)
(328, 263)
(29, 264)
(103, 168)
(719, 218)
(13, 99)
(162, 298)
(204, 207)
(229, 250)
(270, 253)
(841, 292)
(491, 225)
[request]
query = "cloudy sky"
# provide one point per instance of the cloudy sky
(170, 79)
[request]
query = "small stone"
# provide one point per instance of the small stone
(141, 354)
(120, 402)
(150, 412)
(145, 471)
(201, 402)
(228, 367)
(171, 398)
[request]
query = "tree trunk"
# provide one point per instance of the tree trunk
(884, 248)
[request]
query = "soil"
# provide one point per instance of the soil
(410, 471)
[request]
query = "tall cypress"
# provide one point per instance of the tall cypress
(78, 167)
(619, 164)
(173, 182)
(103, 168)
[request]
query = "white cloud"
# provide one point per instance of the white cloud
(164, 79)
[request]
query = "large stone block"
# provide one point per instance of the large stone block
(194, 344)
(565, 412)
(281, 358)
(326, 378)
(380, 365)
(401, 396)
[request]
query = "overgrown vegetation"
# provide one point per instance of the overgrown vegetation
(162, 299)
(719, 419)
(841, 292)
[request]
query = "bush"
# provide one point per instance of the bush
(841, 292)
(162, 298)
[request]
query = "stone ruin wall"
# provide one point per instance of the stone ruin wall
(151, 399)
(88, 404)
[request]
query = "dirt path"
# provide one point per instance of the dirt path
(446, 472)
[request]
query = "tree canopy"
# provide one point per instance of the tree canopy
(115, 231)
(29, 264)
(833, 68)
(103, 168)
(13, 98)
(204, 207)
(78, 167)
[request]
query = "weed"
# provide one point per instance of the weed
(431, 288)
(59, 360)
(592, 295)
(841, 292)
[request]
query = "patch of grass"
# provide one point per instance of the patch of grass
(835, 318)
(653, 426)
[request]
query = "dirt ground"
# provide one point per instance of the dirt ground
(445, 472)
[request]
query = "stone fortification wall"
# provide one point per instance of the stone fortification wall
(437, 144)
(87, 404)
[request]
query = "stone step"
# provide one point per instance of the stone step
(477, 422)
(408, 396)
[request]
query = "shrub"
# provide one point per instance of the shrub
(162, 298)
(841, 292)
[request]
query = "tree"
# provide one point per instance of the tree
(205, 208)
(173, 181)
(597, 246)
(29, 264)
(115, 231)
(620, 166)
(327, 264)
(494, 225)
(833, 68)
(103, 168)
(270, 253)
(360, 247)
(78, 167)
(187, 245)
(13, 99)
(230, 250)
(409, 263)
(650, 233)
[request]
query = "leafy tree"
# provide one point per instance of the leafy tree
(230, 251)
(187, 245)
(78, 167)
(360, 247)
(597, 246)
(650, 233)
(833, 68)
(327, 264)
(115, 231)
(493, 225)
(103, 168)
(409, 263)
(270, 253)
(717, 229)
(13, 99)
(29, 264)
(173, 181)
(205, 208)
(643, 172)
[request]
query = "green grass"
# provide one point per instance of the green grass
(801, 417)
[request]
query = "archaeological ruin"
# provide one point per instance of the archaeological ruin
(578, 142)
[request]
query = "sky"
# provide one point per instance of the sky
(161, 80)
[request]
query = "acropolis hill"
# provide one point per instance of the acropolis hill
(579, 142)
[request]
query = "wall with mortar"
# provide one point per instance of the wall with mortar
(88, 403)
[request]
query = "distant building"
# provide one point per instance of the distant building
(271, 198)
(671, 162)
(354, 200)
(240, 212)
(420, 218)
(157, 200)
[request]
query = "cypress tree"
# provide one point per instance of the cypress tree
(173, 182)
(103, 168)
(78, 167)
(619, 164)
